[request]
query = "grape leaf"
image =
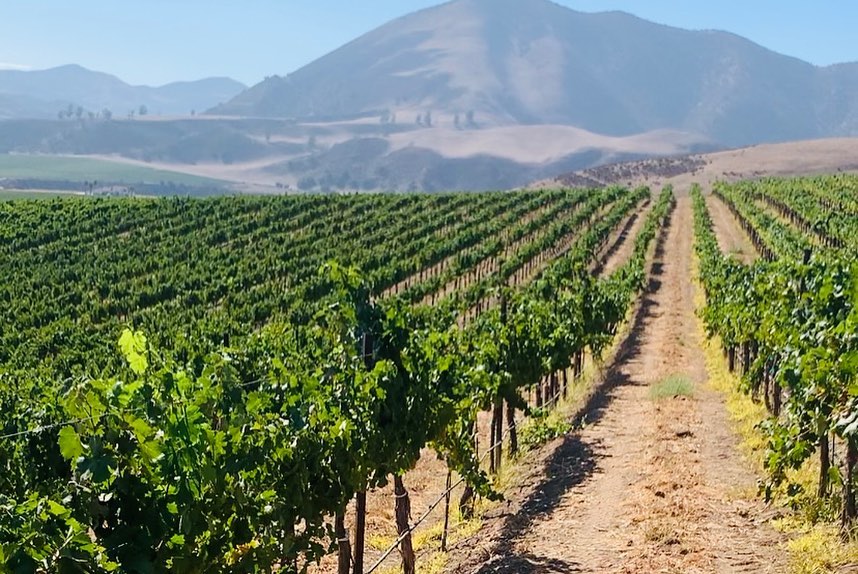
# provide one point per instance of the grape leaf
(70, 445)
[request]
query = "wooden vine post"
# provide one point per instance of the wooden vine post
(403, 515)
(824, 465)
(343, 544)
(466, 502)
(777, 398)
(360, 531)
(367, 345)
(493, 438)
(446, 531)
(513, 431)
(850, 504)
(497, 445)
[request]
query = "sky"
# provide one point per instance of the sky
(158, 41)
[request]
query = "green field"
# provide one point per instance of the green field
(63, 168)
(9, 194)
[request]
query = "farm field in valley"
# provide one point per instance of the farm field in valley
(7, 194)
(75, 171)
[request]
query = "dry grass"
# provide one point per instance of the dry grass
(538, 144)
(819, 549)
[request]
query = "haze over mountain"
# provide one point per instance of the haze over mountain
(42, 93)
(535, 62)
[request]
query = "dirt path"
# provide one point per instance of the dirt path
(622, 243)
(731, 237)
(648, 485)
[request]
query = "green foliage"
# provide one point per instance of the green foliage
(46, 167)
(70, 444)
(797, 317)
(183, 452)
(542, 429)
(133, 346)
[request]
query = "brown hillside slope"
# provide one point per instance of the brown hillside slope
(779, 160)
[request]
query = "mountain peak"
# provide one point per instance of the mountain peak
(513, 62)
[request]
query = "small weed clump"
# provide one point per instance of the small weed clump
(541, 429)
(672, 387)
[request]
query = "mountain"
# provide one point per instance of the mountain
(18, 106)
(471, 94)
(526, 62)
(43, 93)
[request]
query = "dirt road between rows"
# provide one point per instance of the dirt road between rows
(654, 481)
(731, 237)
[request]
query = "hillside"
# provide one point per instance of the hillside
(43, 93)
(789, 159)
(608, 73)
(338, 156)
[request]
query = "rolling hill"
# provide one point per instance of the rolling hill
(43, 93)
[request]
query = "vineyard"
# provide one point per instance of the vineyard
(228, 384)
(205, 385)
(789, 325)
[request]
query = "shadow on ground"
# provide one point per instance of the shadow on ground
(529, 564)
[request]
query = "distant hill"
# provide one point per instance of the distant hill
(184, 141)
(513, 62)
(44, 93)
(790, 159)
(17, 106)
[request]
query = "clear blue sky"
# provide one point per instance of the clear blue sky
(157, 41)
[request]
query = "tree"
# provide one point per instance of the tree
(427, 119)
(456, 121)
(143, 110)
(107, 114)
(469, 119)
(78, 112)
